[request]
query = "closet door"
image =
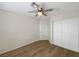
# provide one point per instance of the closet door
(66, 33)
(58, 32)
(70, 33)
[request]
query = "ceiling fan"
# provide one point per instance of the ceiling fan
(39, 10)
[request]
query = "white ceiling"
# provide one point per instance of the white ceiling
(24, 7)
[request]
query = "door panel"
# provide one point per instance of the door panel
(58, 33)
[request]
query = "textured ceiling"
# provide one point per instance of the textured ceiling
(24, 7)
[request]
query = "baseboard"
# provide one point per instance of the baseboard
(16, 47)
(65, 48)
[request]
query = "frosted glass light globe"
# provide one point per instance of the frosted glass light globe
(39, 13)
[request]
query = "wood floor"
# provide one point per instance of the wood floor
(40, 48)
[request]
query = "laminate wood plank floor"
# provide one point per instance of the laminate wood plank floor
(40, 48)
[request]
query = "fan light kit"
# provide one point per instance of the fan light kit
(39, 13)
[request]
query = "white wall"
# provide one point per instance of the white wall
(65, 31)
(16, 30)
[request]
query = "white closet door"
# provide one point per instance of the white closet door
(58, 33)
(70, 34)
(66, 33)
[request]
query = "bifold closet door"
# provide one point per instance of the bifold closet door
(58, 31)
(66, 33)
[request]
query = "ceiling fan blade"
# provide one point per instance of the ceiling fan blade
(36, 15)
(44, 14)
(35, 5)
(32, 11)
(48, 10)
